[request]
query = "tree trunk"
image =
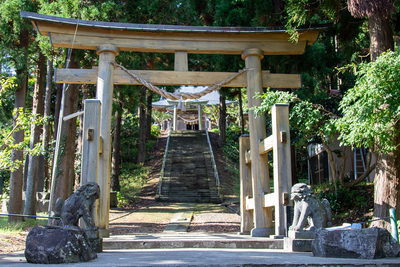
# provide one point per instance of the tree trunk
(241, 112)
(148, 110)
(222, 120)
(341, 176)
(362, 177)
(331, 162)
(57, 109)
(65, 166)
(85, 95)
(381, 35)
(142, 124)
(16, 177)
(116, 150)
(37, 109)
(46, 126)
(386, 183)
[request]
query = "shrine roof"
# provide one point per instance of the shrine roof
(156, 27)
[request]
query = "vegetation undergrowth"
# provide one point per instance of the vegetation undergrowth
(231, 152)
(134, 176)
(349, 205)
(15, 228)
(132, 179)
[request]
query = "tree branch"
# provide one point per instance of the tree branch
(361, 178)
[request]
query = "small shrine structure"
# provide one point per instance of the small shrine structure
(189, 114)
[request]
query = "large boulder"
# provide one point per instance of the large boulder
(369, 243)
(51, 245)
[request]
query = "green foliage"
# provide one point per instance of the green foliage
(122, 201)
(372, 108)
(340, 198)
(155, 132)
(160, 116)
(13, 228)
(132, 179)
(23, 121)
(213, 113)
(231, 147)
(309, 122)
(130, 134)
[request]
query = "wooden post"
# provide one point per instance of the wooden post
(282, 166)
(181, 61)
(90, 148)
(200, 120)
(262, 217)
(180, 64)
(104, 93)
(245, 186)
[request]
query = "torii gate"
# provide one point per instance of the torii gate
(109, 38)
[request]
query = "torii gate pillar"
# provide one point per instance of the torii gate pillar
(263, 226)
(104, 93)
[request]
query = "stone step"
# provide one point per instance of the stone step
(183, 199)
(187, 240)
(188, 168)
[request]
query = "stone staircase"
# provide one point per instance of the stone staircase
(188, 171)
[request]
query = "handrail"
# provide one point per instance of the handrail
(218, 184)
(163, 164)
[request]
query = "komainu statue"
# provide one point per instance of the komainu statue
(78, 205)
(307, 208)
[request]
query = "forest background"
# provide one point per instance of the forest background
(343, 62)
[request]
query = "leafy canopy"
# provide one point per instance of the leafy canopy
(372, 108)
(309, 122)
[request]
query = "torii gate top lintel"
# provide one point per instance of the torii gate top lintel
(170, 38)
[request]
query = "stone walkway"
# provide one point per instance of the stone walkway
(206, 257)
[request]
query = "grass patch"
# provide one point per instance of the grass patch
(208, 207)
(9, 228)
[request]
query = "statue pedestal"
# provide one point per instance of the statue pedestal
(96, 242)
(298, 241)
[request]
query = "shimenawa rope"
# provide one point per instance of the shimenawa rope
(178, 95)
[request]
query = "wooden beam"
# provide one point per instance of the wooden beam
(195, 78)
(64, 32)
(269, 200)
(248, 157)
(181, 61)
(166, 45)
(249, 203)
(266, 145)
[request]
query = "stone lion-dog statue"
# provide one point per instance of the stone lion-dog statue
(307, 208)
(78, 205)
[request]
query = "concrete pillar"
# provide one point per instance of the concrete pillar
(259, 168)
(175, 118)
(104, 93)
(200, 120)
